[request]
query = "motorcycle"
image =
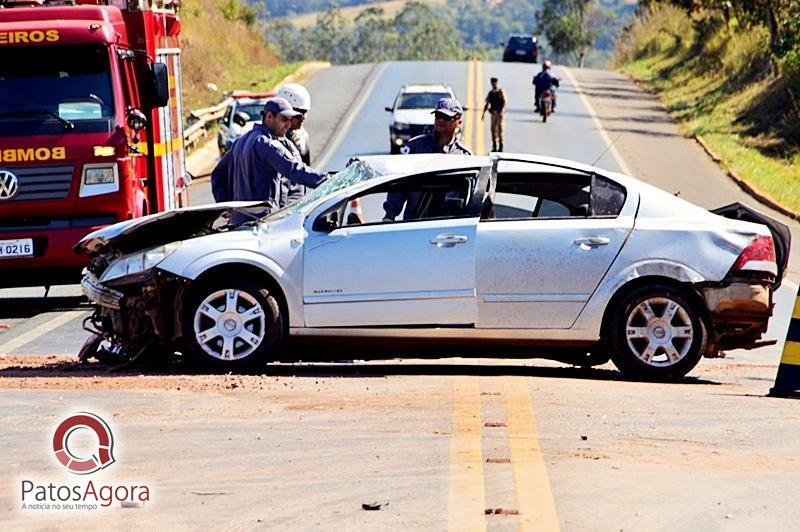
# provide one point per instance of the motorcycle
(546, 104)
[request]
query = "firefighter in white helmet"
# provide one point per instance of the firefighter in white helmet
(296, 137)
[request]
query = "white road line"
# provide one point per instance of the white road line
(603, 133)
(344, 127)
(6, 348)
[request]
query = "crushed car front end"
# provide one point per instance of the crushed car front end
(134, 299)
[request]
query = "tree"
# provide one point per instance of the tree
(426, 34)
(374, 37)
(566, 23)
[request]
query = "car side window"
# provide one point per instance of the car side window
(412, 199)
(607, 198)
(228, 113)
(546, 195)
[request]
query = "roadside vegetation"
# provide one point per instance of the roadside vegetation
(580, 30)
(730, 73)
(223, 48)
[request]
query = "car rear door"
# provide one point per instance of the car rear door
(392, 273)
(546, 243)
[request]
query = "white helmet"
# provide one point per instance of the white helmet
(297, 95)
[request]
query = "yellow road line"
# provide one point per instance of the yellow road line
(466, 501)
(480, 146)
(469, 115)
(6, 348)
(537, 508)
(796, 310)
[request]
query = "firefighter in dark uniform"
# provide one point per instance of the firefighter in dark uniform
(496, 105)
(447, 121)
(257, 163)
(297, 139)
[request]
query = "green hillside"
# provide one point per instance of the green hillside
(726, 78)
(223, 46)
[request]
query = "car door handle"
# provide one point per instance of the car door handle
(448, 240)
(592, 241)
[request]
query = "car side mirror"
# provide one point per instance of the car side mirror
(388, 109)
(241, 118)
(159, 90)
(327, 222)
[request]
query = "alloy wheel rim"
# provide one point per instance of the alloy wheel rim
(229, 324)
(659, 332)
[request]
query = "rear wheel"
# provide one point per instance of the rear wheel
(231, 324)
(657, 332)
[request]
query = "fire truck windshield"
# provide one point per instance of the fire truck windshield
(46, 87)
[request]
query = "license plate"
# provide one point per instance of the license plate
(21, 247)
(520, 52)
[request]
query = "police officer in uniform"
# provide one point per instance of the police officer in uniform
(257, 163)
(496, 105)
(447, 121)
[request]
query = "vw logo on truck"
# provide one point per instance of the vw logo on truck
(9, 185)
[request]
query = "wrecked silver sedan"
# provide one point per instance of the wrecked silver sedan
(507, 255)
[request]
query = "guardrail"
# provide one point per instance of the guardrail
(197, 123)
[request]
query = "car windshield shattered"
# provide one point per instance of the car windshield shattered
(356, 172)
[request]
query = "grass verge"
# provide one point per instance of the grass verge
(717, 85)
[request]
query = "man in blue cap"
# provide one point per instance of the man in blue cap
(252, 168)
(447, 121)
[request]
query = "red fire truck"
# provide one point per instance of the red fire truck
(90, 126)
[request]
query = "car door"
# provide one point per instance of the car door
(376, 272)
(545, 244)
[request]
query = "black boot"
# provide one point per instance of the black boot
(494, 146)
(500, 145)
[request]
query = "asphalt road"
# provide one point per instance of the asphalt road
(303, 446)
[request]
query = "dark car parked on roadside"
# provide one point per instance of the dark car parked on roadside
(522, 48)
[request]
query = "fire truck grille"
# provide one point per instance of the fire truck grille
(43, 182)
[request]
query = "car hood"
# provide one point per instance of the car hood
(414, 116)
(160, 228)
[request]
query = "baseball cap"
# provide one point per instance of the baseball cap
(449, 107)
(280, 106)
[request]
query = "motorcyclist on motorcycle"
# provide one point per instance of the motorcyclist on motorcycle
(544, 81)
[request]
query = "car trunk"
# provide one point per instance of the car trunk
(780, 231)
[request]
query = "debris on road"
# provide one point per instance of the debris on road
(371, 506)
(501, 511)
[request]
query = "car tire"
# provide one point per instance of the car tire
(231, 324)
(657, 333)
(394, 149)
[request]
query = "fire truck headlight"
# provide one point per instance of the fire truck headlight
(99, 179)
(98, 176)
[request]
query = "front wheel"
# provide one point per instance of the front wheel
(658, 333)
(231, 324)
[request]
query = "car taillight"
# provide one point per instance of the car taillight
(758, 255)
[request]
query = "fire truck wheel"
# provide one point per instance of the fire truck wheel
(231, 324)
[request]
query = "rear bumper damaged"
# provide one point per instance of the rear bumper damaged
(739, 312)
